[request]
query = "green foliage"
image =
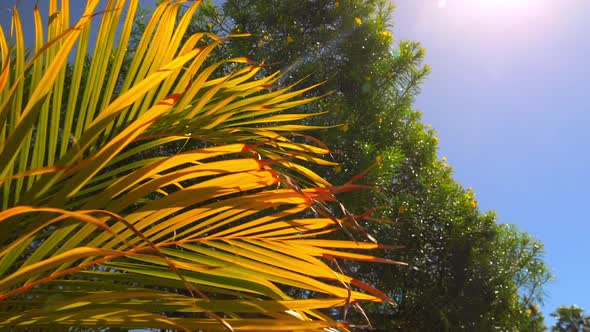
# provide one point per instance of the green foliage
(462, 273)
(466, 271)
(570, 319)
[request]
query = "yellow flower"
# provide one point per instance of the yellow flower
(266, 37)
(379, 120)
(344, 127)
(358, 21)
(338, 169)
(429, 126)
(444, 159)
(290, 40)
(473, 204)
(385, 35)
(469, 189)
(435, 139)
(529, 312)
(379, 160)
(337, 4)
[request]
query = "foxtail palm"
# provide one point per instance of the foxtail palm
(150, 188)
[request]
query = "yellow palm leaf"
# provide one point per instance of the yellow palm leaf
(165, 195)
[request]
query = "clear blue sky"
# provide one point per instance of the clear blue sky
(508, 95)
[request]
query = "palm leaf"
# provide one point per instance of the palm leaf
(171, 194)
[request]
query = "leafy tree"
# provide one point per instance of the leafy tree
(570, 319)
(536, 320)
(458, 279)
(143, 188)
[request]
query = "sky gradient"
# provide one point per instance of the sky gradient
(508, 96)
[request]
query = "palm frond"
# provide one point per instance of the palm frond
(170, 194)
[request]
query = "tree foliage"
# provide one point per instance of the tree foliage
(155, 186)
(570, 319)
(466, 271)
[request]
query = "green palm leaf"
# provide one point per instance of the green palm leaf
(170, 194)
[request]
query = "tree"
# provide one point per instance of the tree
(570, 319)
(371, 81)
(156, 191)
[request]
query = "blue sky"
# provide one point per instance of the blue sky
(508, 97)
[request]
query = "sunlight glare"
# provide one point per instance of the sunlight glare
(504, 4)
(490, 5)
(494, 9)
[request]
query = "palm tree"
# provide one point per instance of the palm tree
(166, 193)
(570, 319)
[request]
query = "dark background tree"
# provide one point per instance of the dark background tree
(570, 319)
(466, 272)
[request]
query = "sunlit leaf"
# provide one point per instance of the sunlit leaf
(149, 188)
